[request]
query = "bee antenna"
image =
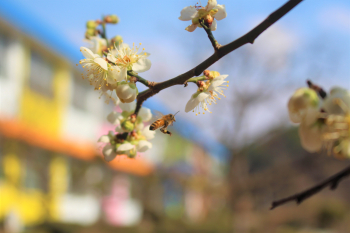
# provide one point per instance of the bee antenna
(176, 113)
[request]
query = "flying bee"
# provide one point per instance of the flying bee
(163, 122)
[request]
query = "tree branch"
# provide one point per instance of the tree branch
(218, 54)
(332, 182)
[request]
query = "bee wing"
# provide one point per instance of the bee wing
(156, 116)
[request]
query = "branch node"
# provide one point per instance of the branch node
(185, 84)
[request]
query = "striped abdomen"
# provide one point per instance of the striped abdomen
(155, 125)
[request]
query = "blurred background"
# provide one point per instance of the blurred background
(219, 172)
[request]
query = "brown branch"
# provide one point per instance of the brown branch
(219, 53)
(332, 182)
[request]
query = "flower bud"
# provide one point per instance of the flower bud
(208, 20)
(111, 19)
(127, 92)
(90, 32)
(302, 100)
(128, 126)
(91, 24)
(117, 40)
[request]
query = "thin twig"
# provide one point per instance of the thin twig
(332, 182)
(139, 78)
(221, 52)
(211, 37)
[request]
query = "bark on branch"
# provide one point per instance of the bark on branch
(332, 182)
(218, 54)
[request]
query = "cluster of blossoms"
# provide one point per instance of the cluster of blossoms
(208, 14)
(112, 68)
(131, 135)
(208, 89)
(110, 73)
(324, 119)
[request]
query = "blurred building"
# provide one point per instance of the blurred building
(50, 119)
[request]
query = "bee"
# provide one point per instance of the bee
(163, 122)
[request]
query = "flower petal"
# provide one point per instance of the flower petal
(104, 138)
(128, 107)
(142, 65)
(145, 114)
(211, 4)
(102, 62)
(108, 153)
(191, 28)
(149, 134)
(143, 146)
(213, 25)
(115, 75)
(87, 53)
(111, 58)
(310, 137)
(194, 101)
(125, 147)
(119, 129)
(114, 118)
(221, 14)
(188, 13)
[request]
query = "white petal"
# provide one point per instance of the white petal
(215, 84)
(124, 91)
(213, 25)
(104, 138)
(142, 65)
(111, 58)
(130, 99)
(123, 46)
(211, 4)
(115, 74)
(108, 153)
(140, 127)
(149, 134)
(191, 28)
(87, 53)
(125, 146)
(119, 129)
(145, 114)
(202, 96)
(188, 13)
(331, 106)
(102, 62)
(221, 77)
(143, 146)
(114, 118)
(128, 107)
(221, 14)
(311, 137)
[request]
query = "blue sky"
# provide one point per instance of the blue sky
(315, 32)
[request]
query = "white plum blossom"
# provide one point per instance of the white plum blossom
(127, 92)
(97, 44)
(195, 14)
(302, 101)
(129, 59)
(323, 123)
(207, 93)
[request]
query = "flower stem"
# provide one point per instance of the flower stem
(196, 79)
(211, 37)
(140, 79)
(103, 33)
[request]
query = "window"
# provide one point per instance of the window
(41, 75)
(4, 45)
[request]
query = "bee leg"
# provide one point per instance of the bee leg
(165, 131)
